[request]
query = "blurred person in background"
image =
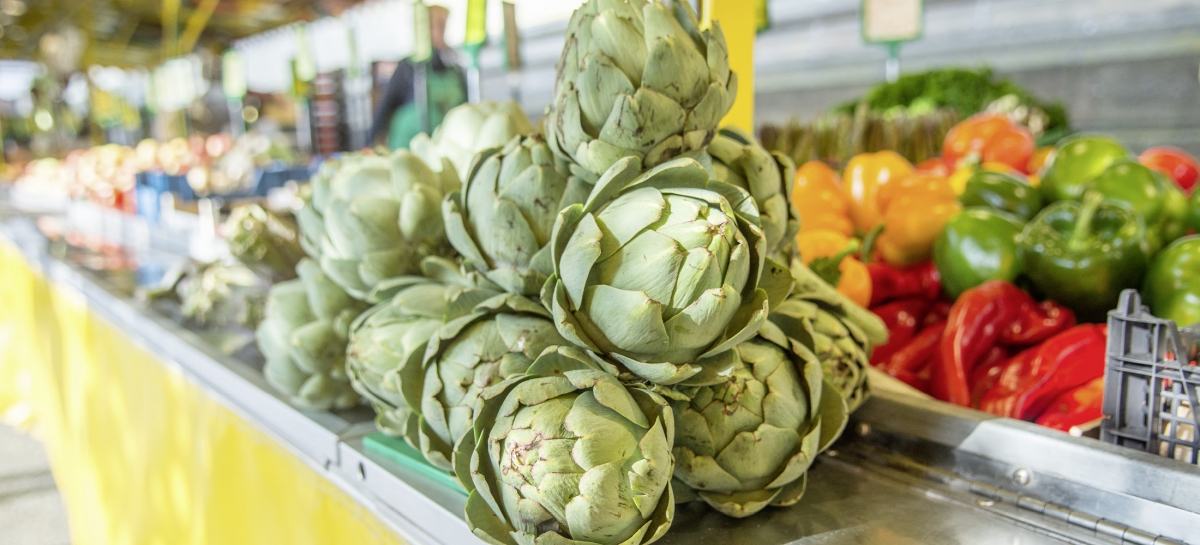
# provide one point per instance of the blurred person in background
(397, 119)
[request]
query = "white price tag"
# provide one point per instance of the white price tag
(890, 21)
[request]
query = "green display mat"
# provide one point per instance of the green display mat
(398, 451)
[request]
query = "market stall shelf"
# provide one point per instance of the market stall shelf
(909, 470)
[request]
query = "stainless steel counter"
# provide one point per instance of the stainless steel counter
(907, 471)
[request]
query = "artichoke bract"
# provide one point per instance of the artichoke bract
(738, 159)
(394, 333)
(748, 442)
(374, 220)
(469, 129)
(638, 78)
(502, 219)
(838, 333)
(660, 270)
(264, 241)
(303, 338)
(570, 457)
(500, 338)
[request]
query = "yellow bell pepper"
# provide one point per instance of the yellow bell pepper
(817, 194)
(915, 209)
(865, 175)
(855, 281)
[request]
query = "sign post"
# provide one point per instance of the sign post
(891, 23)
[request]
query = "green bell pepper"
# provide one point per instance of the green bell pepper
(1161, 204)
(1002, 192)
(1083, 254)
(1077, 160)
(1172, 285)
(1176, 209)
(977, 245)
(1194, 211)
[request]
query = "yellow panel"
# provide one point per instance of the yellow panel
(141, 455)
(738, 20)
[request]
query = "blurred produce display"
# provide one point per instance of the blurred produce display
(982, 260)
(231, 292)
(912, 117)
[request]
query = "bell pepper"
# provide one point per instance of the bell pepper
(1076, 161)
(915, 210)
(1172, 285)
(1075, 408)
(994, 313)
(1003, 192)
(864, 176)
(1194, 211)
(988, 138)
(1035, 377)
(978, 245)
(1084, 254)
(827, 253)
(918, 355)
(958, 180)
(817, 195)
(1036, 162)
(987, 373)
(1174, 162)
(933, 165)
(1162, 205)
(889, 283)
(903, 318)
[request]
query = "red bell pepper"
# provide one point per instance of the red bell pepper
(1035, 377)
(916, 353)
(994, 313)
(1075, 408)
(914, 364)
(903, 318)
(889, 283)
(1038, 324)
(1174, 162)
(987, 372)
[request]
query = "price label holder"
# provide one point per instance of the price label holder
(891, 23)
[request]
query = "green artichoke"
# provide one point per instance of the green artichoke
(499, 339)
(469, 129)
(502, 220)
(265, 241)
(748, 442)
(395, 333)
(316, 195)
(223, 295)
(570, 456)
(303, 338)
(839, 333)
(374, 219)
(662, 270)
(638, 78)
(738, 159)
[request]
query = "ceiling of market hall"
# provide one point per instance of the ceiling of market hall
(138, 32)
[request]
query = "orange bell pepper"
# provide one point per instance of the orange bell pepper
(989, 138)
(915, 209)
(817, 194)
(1038, 159)
(865, 175)
(855, 280)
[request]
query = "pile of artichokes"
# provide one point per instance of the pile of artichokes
(586, 324)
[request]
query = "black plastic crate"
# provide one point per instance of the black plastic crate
(1151, 383)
